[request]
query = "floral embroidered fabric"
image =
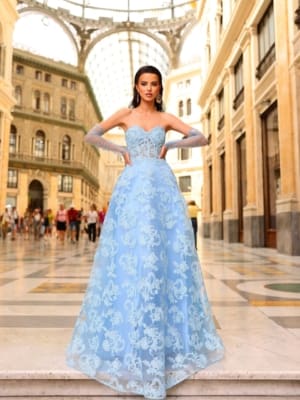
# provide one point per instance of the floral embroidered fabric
(145, 322)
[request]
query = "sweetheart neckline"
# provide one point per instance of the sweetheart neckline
(144, 130)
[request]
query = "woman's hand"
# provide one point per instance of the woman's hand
(126, 157)
(163, 152)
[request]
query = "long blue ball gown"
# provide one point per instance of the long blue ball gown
(145, 323)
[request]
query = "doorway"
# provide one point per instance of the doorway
(35, 195)
(241, 183)
(271, 172)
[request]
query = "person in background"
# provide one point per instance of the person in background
(193, 214)
(37, 223)
(14, 223)
(5, 222)
(61, 222)
(92, 219)
(78, 224)
(72, 221)
(101, 216)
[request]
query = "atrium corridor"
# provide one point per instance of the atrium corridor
(255, 297)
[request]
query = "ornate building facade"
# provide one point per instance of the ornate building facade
(48, 161)
(250, 107)
(8, 17)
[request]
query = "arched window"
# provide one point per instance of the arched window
(180, 108)
(13, 140)
(188, 107)
(46, 103)
(66, 148)
(18, 95)
(39, 144)
(37, 100)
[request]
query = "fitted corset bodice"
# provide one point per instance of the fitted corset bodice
(144, 144)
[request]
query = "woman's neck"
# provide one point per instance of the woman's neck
(146, 109)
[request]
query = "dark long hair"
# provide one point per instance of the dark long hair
(147, 69)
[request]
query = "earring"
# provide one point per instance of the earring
(138, 98)
(158, 99)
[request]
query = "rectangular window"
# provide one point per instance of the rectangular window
(47, 77)
(72, 109)
(184, 154)
(185, 183)
(238, 83)
(63, 107)
(65, 183)
(64, 82)
(19, 69)
(38, 75)
(266, 42)
(12, 178)
(73, 85)
(221, 109)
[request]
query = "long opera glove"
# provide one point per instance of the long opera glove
(193, 139)
(95, 137)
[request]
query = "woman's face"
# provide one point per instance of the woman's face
(148, 86)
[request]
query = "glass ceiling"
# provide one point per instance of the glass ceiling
(113, 61)
(123, 10)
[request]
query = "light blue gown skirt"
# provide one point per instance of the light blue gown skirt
(145, 323)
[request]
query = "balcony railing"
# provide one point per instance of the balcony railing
(238, 100)
(266, 62)
(17, 160)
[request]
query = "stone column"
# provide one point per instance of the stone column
(253, 219)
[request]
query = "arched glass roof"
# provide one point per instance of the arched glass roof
(75, 32)
(40, 34)
(122, 10)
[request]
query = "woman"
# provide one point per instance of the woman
(145, 323)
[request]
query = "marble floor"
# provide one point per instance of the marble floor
(254, 293)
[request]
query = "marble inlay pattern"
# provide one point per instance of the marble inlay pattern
(42, 285)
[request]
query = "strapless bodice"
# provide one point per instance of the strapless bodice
(144, 144)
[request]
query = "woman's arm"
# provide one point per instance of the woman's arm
(192, 137)
(95, 134)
